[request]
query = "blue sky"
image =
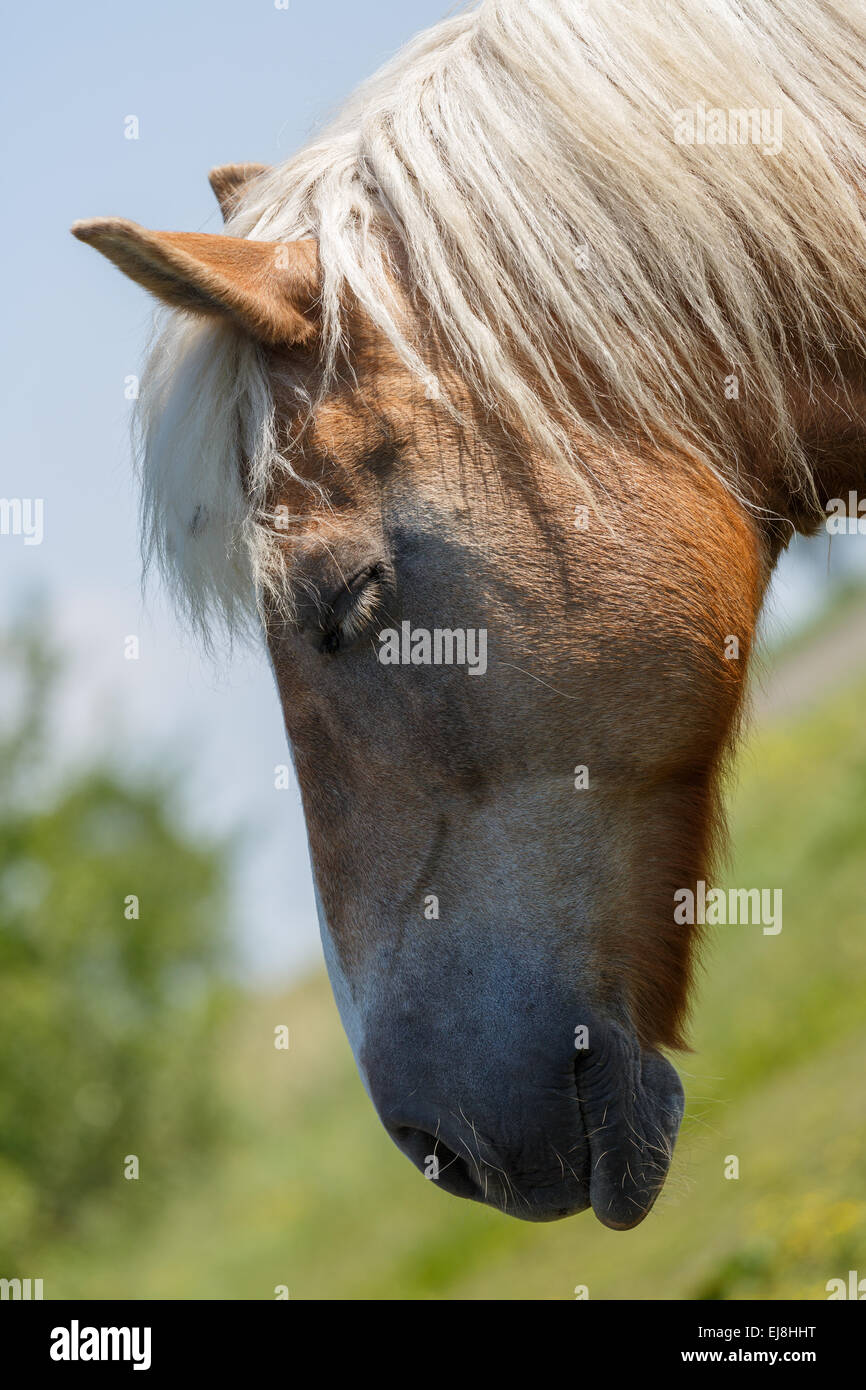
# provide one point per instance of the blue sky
(210, 83)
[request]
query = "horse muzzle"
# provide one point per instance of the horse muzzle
(541, 1141)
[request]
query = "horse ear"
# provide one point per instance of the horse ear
(228, 181)
(269, 288)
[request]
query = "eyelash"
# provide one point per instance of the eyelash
(362, 608)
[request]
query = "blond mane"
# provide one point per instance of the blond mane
(532, 161)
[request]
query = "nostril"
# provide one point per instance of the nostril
(425, 1150)
(434, 1158)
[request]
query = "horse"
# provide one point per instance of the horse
(539, 353)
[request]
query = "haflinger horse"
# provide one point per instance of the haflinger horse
(543, 349)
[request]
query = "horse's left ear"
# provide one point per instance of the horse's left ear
(269, 288)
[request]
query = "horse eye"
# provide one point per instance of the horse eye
(351, 610)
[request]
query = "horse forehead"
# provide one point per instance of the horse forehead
(361, 437)
(346, 427)
(347, 420)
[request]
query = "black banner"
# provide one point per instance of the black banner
(152, 1338)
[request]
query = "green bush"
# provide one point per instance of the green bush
(108, 1019)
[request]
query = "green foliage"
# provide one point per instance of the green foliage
(108, 1020)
